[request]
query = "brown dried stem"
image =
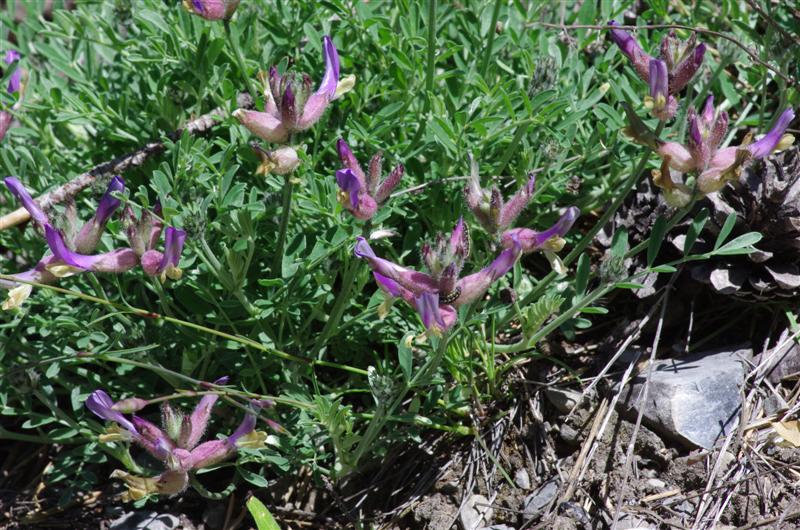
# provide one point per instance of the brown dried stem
(120, 164)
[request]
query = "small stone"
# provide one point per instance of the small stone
(522, 480)
(498, 527)
(575, 512)
(656, 483)
(694, 400)
(146, 521)
(476, 513)
(536, 502)
(562, 399)
(568, 434)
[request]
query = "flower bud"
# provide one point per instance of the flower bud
(130, 405)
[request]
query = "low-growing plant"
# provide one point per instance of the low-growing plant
(270, 246)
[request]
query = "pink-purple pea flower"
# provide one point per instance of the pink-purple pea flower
(212, 9)
(176, 443)
(69, 253)
(666, 75)
(143, 235)
(701, 155)
(362, 192)
(15, 81)
(437, 294)
(488, 206)
(291, 105)
(14, 86)
(550, 240)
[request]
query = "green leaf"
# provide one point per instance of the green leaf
(253, 478)
(582, 275)
(656, 239)
(740, 245)
(262, 517)
(629, 285)
(404, 355)
(619, 244)
(726, 229)
(694, 230)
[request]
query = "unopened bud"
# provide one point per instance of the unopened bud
(130, 405)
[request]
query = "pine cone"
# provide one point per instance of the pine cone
(766, 200)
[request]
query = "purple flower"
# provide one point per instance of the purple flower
(212, 9)
(21, 194)
(701, 155)
(89, 236)
(101, 404)
(63, 261)
(677, 63)
(361, 193)
(661, 103)
(547, 240)
(438, 293)
(291, 106)
(488, 206)
(15, 80)
(176, 444)
(143, 235)
(116, 261)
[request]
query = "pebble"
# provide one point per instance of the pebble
(536, 502)
(476, 513)
(522, 480)
(656, 483)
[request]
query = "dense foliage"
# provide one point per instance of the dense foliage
(463, 95)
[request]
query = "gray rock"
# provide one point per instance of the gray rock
(498, 527)
(522, 480)
(146, 521)
(537, 501)
(694, 400)
(562, 399)
(656, 483)
(476, 513)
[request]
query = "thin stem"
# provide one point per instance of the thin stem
(384, 413)
(586, 240)
(286, 208)
(430, 70)
(342, 301)
(487, 54)
(233, 39)
(198, 327)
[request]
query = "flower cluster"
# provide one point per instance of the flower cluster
(71, 251)
(291, 106)
(667, 75)
(701, 156)
(176, 444)
(362, 192)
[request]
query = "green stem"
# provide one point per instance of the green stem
(286, 208)
(430, 70)
(384, 413)
(487, 54)
(191, 325)
(233, 39)
(586, 240)
(342, 301)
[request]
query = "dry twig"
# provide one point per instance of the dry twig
(119, 164)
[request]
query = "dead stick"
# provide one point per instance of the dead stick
(119, 164)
